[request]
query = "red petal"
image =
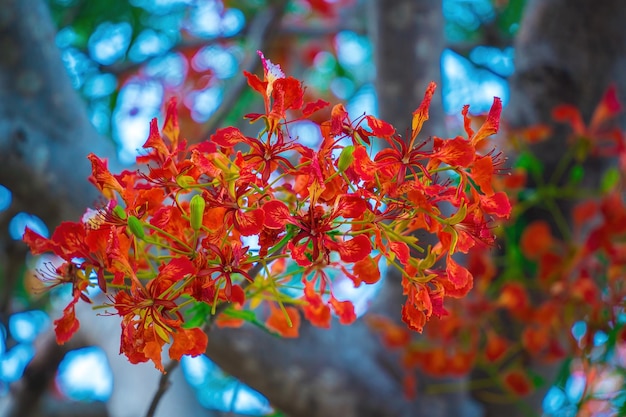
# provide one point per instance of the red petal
(536, 239)
(496, 346)
(401, 250)
(103, 179)
(278, 323)
(155, 141)
(379, 127)
(362, 164)
(482, 174)
(67, 325)
(567, 113)
(170, 127)
(71, 236)
(290, 91)
(414, 318)
(338, 115)
(249, 223)
(492, 124)
(366, 270)
(457, 275)
(518, 382)
(351, 206)
(315, 310)
(456, 152)
(312, 107)
(421, 114)
(467, 121)
(298, 254)
(152, 350)
(256, 83)
(277, 214)
(497, 204)
(37, 243)
(344, 310)
(608, 108)
(175, 270)
(355, 249)
(228, 137)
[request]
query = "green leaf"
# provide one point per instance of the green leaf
(198, 314)
(609, 180)
(530, 163)
(509, 19)
(576, 174)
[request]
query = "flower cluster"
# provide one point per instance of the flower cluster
(235, 220)
(557, 273)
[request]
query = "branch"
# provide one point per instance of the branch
(261, 32)
(164, 384)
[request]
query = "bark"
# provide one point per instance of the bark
(45, 134)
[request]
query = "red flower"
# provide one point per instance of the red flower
(231, 259)
(262, 156)
(517, 381)
(314, 240)
(150, 318)
(279, 93)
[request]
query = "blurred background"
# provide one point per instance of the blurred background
(78, 76)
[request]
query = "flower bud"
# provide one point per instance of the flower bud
(196, 206)
(136, 227)
(119, 212)
(185, 181)
(345, 158)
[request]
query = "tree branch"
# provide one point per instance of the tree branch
(261, 32)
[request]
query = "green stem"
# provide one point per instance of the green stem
(170, 236)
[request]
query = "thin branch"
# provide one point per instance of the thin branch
(261, 32)
(164, 384)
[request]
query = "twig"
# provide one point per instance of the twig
(164, 384)
(261, 32)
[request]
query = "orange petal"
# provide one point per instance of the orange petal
(608, 108)
(496, 346)
(344, 310)
(67, 325)
(277, 321)
(421, 114)
(536, 239)
(492, 124)
(188, 342)
(170, 126)
(517, 381)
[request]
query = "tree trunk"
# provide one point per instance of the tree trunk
(45, 134)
